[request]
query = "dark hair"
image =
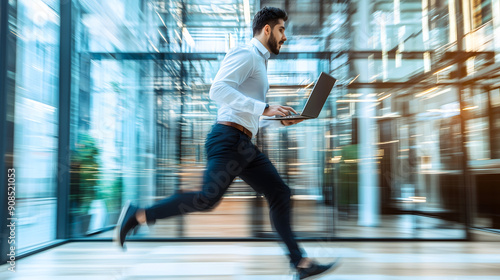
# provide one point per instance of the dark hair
(267, 15)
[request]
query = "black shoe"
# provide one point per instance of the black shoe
(126, 223)
(315, 269)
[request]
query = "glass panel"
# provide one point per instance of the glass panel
(36, 121)
(112, 124)
(481, 110)
(398, 166)
(112, 159)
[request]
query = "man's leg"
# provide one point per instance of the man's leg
(216, 180)
(225, 162)
(263, 177)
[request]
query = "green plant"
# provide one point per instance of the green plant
(84, 174)
(348, 194)
(113, 194)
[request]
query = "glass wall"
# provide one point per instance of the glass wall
(36, 120)
(406, 146)
(375, 164)
(113, 111)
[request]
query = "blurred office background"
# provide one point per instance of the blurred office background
(106, 101)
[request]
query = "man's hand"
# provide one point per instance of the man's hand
(274, 110)
(290, 122)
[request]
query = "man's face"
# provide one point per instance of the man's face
(277, 37)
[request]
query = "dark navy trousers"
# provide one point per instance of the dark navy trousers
(230, 153)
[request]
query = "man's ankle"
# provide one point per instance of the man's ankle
(141, 216)
(304, 263)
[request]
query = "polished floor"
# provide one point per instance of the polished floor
(261, 260)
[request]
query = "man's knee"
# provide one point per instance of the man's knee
(284, 191)
(281, 194)
(287, 191)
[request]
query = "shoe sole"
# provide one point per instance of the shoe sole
(334, 266)
(116, 238)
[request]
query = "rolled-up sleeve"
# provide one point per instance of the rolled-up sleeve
(237, 66)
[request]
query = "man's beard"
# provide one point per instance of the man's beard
(273, 44)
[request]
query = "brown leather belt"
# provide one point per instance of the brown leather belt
(238, 127)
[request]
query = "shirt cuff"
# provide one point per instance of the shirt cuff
(259, 107)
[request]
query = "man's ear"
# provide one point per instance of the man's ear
(267, 29)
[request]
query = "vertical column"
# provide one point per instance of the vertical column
(63, 157)
(463, 26)
(182, 120)
(368, 194)
(7, 80)
(3, 132)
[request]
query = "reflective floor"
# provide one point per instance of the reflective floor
(261, 260)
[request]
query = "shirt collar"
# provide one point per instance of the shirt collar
(263, 50)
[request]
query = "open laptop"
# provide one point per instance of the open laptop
(316, 99)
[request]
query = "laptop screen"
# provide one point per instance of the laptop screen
(318, 96)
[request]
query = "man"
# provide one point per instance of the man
(240, 89)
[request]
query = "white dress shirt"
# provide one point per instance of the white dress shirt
(241, 85)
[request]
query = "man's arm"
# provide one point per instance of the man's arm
(237, 66)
